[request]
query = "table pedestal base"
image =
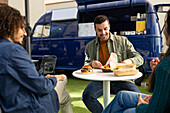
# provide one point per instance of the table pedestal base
(106, 93)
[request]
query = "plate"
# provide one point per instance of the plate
(106, 70)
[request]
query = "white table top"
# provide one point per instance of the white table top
(99, 75)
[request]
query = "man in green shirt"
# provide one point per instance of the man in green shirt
(97, 54)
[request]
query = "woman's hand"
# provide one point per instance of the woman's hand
(147, 98)
(96, 64)
(154, 63)
(144, 100)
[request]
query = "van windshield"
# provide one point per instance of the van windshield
(64, 29)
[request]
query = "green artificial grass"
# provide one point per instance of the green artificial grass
(75, 87)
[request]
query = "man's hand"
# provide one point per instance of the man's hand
(96, 64)
(59, 77)
(48, 76)
(127, 61)
(144, 100)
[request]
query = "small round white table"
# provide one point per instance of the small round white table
(106, 77)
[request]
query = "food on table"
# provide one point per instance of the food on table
(107, 66)
(122, 69)
(86, 69)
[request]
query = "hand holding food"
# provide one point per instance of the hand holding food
(86, 69)
(154, 63)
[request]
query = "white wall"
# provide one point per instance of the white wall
(37, 8)
(59, 5)
(18, 4)
(53, 1)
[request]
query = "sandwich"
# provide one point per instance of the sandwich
(86, 69)
(125, 69)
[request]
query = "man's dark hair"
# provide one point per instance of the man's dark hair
(100, 19)
(10, 21)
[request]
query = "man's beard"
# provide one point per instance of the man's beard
(104, 39)
(18, 43)
(13, 39)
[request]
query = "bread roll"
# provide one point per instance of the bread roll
(87, 69)
(125, 69)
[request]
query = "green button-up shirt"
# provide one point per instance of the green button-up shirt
(116, 44)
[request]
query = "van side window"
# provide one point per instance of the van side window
(42, 31)
(63, 29)
(86, 29)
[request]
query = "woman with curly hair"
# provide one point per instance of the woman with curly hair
(159, 86)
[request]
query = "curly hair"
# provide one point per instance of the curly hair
(10, 21)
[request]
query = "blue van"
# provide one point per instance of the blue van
(65, 32)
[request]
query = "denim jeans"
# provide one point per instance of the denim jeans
(95, 89)
(124, 102)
